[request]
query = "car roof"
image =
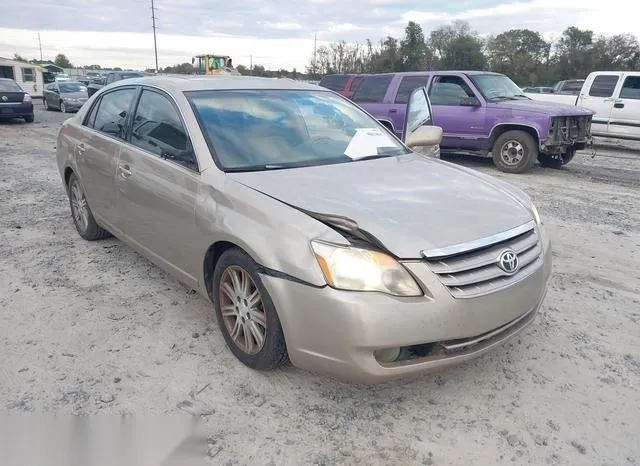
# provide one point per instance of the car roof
(181, 83)
(421, 73)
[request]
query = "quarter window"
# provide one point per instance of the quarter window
(335, 82)
(158, 128)
(113, 109)
(603, 85)
(631, 88)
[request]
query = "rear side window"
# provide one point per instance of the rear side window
(158, 128)
(372, 89)
(603, 85)
(631, 88)
(356, 82)
(407, 85)
(112, 112)
(335, 82)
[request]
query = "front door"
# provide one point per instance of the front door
(463, 124)
(157, 184)
(625, 114)
(97, 151)
(398, 110)
(599, 97)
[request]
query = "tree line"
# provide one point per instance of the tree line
(522, 54)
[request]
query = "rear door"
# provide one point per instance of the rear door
(598, 95)
(98, 149)
(625, 114)
(371, 94)
(157, 184)
(398, 109)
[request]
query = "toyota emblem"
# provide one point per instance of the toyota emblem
(4, 98)
(508, 261)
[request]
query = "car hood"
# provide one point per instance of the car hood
(408, 203)
(544, 107)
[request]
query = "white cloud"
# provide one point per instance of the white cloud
(284, 26)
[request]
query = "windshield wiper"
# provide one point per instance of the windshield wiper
(503, 97)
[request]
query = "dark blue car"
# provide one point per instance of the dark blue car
(14, 102)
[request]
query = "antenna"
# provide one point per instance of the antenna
(40, 45)
(153, 22)
(315, 63)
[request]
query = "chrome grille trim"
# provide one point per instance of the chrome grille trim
(475, 272)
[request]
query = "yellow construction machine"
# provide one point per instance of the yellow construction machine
(210, 64)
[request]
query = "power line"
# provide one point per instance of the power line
(153, 22)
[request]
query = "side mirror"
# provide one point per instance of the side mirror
(470, 102)
(424, 136)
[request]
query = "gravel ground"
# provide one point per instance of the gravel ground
(93, 328)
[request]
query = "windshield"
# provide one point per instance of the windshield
(9, 86)
(250, 130)
(496, 87)
(72, 87)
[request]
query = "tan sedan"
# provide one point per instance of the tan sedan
(318, 236)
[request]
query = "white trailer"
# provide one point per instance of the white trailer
(28, 76)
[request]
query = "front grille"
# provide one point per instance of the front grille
(570, 129)
(475, 272)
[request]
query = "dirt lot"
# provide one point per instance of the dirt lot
(94, 328)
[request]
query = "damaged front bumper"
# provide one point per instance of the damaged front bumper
(567, 133)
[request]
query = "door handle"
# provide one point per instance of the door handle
(393, 110)
(618, 105)
(81, 148)
(125, 170)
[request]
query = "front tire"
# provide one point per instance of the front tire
(81, 213)
(63, 107)
(246, 314)
(556, 161)
(46, 105)
(514, 152)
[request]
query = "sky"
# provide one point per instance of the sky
(274, 33)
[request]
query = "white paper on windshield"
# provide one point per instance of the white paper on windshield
(366, 142)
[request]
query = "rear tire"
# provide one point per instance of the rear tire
(514, 151)
(81, 213)
(29, 118)
(242, 303)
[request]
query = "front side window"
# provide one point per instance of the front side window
(112, 112)
(449, 90)
(631, 88)
(158, 128)
(250, 130)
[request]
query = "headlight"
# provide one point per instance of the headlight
(536, 215)
(355, 269)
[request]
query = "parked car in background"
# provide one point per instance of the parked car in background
(112, 77)
(66, 96)
(344, 84)
(538, 90)
(568, 86)
(14, 102)
(482, 113)
(316, 234)
(614, 97)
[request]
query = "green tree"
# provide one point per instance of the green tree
(620, 52)
(17, 57)
(574, 53)
(520, 53)
(413, 49)
(62, 61)
(458, 47)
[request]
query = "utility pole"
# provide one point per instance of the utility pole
(153, 20)
(40, 45)
(315, 46)
(251, 64)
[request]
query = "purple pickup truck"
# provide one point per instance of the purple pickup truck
(482, 113)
